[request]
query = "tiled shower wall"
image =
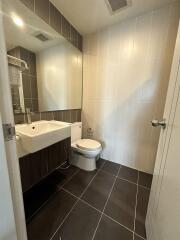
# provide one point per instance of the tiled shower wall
(126, 70)
(29, 79)
(70, 116)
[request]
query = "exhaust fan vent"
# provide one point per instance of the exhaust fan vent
(116, 5)
(42, 37)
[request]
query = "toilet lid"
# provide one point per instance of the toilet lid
(88, 144)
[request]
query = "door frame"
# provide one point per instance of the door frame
(9, 153)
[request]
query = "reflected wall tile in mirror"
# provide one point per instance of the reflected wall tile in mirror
(51, 15)
(32, 63)
(35, 117)
(19, 118)
(55, 18)
(42, 9)
(47, 116)
(29, 4)
(14, 52)
(28, 103)
(78, 112)
(73, 116)
(66, 116)
(80, 42)
(35, 107)
(74, 36)
(51, 115)
(58, 115)
(26, 85)
(34, 89)
(65, 28)
(24, 55)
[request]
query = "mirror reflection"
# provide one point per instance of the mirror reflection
(45, 69)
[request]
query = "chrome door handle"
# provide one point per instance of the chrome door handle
(157, 123)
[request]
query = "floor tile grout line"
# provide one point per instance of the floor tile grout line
(98, 210)
(89, 205)
(82, 200)
(74, 174)
(106, 204)
(139, 236)
(78, 199)
(90, 182)
(30, 218)
(112, 219)
(67, 191)
(126, 179)
(102, 212)
(111, 174)
(75, 204)
(119, 177)
(136, 206)
(144, 187)
(59, 188)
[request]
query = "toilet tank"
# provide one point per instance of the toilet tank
(76, 131)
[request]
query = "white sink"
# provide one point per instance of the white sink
(38, 135)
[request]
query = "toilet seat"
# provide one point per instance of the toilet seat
(88, 153)
(88, 144)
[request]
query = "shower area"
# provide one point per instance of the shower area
(16, 66)
(23, 79)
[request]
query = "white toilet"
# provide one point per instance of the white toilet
(85, 152)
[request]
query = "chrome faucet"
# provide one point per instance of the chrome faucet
(28, 116)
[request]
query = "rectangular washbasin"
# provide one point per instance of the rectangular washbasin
(38, 135)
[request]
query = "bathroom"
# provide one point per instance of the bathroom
(89, 119)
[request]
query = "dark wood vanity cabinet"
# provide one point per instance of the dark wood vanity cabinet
(35, 166)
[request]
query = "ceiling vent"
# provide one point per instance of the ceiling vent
(41, 37)
(117, 5)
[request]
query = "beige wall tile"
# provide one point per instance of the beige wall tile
(126, 74)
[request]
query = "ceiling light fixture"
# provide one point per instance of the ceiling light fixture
(18, 21)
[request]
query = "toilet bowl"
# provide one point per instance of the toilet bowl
(85, 152)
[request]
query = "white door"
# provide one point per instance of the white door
(163, 217)
(12, 220)
(7, 221)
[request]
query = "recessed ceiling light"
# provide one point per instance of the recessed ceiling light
(18, 21)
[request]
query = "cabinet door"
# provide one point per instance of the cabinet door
(24, 165)
(33, 168)
(58, 153)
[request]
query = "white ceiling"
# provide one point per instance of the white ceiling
(92, 15)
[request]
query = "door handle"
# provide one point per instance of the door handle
(157, 123)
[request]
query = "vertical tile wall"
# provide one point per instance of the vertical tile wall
(126, 70)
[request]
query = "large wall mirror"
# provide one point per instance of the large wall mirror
(45, 69)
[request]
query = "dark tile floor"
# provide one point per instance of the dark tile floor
(109, 203)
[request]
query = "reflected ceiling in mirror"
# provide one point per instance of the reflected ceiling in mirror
(54, 78)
